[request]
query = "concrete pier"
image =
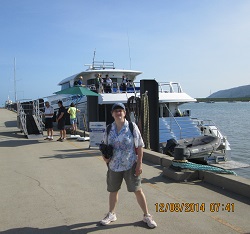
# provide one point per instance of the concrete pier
(60, 187)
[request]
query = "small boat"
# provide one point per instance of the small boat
(192, 148)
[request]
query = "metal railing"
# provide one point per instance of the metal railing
(134, 87)
(207, 122)
(22, 118)
(96, 65)
(170, 87)
(116, 88)
(29, 108)
(38, 114)
(172, 117)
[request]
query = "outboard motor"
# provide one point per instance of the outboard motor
(171, 144)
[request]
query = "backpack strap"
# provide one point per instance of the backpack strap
(108, 129)
(131, 128)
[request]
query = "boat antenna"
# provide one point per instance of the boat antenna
(129, 51)
(93, 58)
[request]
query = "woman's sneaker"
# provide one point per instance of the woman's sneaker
(148, 219)
(109, 218)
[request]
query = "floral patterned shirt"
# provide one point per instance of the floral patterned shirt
(124, 144)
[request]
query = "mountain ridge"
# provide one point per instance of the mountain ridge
(236, 92)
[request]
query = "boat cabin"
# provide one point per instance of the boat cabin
(103, 71)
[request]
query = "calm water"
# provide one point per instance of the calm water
(233, 121)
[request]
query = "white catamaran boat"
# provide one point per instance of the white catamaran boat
(172, 123)
(167, 130)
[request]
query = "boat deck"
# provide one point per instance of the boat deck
(60, 187)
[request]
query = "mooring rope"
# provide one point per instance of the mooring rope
(140, 108)
(200, 167)
(145, 114)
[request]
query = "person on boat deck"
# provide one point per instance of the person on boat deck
(126, 163)
(60, 119)
(129, 83)
(99, 83)
(108, 84)
(124, 84)
(73, 120)
(48, 114)
(79, 81)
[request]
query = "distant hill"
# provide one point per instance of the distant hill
(238, 92)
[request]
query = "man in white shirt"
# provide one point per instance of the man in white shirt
(48, 114)
(108, 84)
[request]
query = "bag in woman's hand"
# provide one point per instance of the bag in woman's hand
(107, 150)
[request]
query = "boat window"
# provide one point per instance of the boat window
(163, 111)
(65, 86)
(90, 81)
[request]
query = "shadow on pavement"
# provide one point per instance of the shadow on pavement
(71, 154)
(77, 149)
(156, 179)
(80, 228)
(15, 143)
(14, 134)
(11, 124)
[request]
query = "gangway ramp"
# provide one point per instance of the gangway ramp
(29, 119)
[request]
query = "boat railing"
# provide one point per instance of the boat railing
(170, 87)
(96, 65)
(115, 88)
(38, 114)
(172, 117)
(132, 87)
(208, 122)
(164, 87)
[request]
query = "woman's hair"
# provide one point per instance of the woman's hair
(72, 104)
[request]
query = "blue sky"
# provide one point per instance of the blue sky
(203, 44)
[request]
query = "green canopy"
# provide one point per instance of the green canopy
(78, 90)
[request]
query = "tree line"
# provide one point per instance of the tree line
(242, 99)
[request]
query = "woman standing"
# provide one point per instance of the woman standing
(124, 164)
(73, 120)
